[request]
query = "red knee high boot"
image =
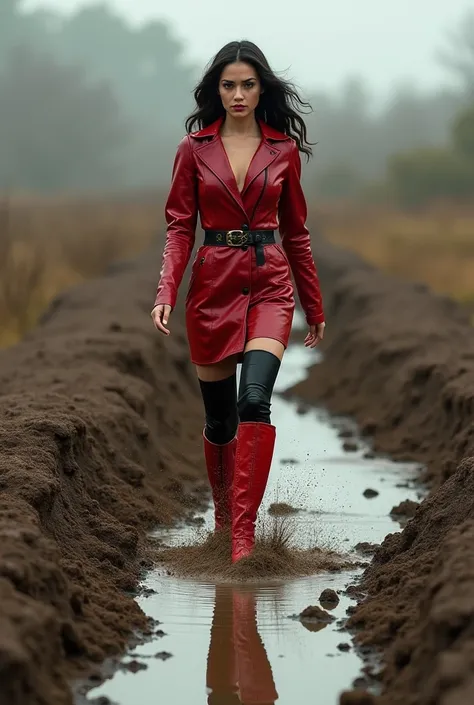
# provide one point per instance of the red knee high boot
(253, 459)
(220, 470)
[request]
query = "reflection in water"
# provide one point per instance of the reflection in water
(236, 645)
(238, 669)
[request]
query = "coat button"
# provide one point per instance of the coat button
(245, 248)
(245, 290)
(245, 226)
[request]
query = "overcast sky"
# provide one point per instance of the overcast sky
(321, 43)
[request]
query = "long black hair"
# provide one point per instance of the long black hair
(279, 103)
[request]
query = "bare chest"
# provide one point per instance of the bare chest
(240, 154)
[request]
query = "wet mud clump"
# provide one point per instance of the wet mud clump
(390, 362)
(280, 509)
(405, 509)
(314, 613)
(329, 599)
(357, 697)
(99, 442)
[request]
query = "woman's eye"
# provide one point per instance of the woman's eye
(249, 85)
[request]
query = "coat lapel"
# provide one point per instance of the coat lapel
(263, 157)
(214, 156)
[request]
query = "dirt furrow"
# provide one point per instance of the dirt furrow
(401, 361)
(99, 441)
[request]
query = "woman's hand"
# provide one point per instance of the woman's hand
(160, 314)
(315, 335)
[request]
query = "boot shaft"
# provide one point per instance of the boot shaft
(253, 459)
(220, 460)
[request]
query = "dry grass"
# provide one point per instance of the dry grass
(436, 247)
(48, 246)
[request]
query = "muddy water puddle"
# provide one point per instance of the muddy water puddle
(225, 644)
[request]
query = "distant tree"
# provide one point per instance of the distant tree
(342, 125)
(412, 119)
(57, 131)
(355, 99)
(144, 65)
(21, 28)
(463, 133)
(145, 68)
(338, 181)
(421, 176)
(458, 54)
(357, 136)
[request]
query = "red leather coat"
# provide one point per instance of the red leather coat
(229, 299)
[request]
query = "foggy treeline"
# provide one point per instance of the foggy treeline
(90, 101)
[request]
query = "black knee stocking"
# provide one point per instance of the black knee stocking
(259, 372)
(220, 405)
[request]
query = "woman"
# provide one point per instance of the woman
(241, 172)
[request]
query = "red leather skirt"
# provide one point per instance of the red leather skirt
(231, 300)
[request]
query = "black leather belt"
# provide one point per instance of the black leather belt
(242, 239)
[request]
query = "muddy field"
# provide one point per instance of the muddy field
(100, 440)
(401, 361)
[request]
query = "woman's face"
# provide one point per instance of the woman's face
(239, 89)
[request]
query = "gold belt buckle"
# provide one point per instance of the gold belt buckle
(236, 238)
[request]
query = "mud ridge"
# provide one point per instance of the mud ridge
(100, 441)
(401, 361)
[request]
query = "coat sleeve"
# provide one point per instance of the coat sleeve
(181, 211)
(296, 242)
